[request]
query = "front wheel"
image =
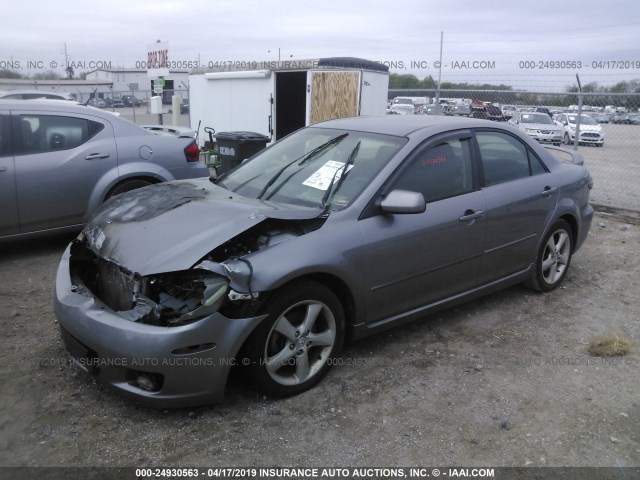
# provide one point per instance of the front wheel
(291, 350)
(567, 140)
(554, 257)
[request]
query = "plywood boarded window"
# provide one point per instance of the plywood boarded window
(334, 95)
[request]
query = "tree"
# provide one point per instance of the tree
(6, 73)
(48, 75)
(69, 72)
(403, 81)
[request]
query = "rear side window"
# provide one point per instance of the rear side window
(46, 133)
(505, 158)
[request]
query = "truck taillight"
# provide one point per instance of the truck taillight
(192, 152)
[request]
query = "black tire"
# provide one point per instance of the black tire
(128, 185)
(283, 359)
(553, 259)
(567, 140)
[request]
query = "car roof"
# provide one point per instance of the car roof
(64, 106)
(39, 92)
(46, 104)
(403, 125)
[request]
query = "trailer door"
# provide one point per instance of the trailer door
(333, 95)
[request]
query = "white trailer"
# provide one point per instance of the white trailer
(277, 98)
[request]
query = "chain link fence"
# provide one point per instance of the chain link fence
(614, 165)
(135, 105)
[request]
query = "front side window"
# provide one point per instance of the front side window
(46, 133)
(440, 171)
(505, 158)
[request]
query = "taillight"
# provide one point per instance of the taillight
(192, 152)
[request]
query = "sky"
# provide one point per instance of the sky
(537, 45)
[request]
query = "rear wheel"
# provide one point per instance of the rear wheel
(291, 350)
(554, 257)
(128, 185)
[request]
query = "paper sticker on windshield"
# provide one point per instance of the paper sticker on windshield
(321, 179)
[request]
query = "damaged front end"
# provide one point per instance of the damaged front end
(222, 279)
(169, 299)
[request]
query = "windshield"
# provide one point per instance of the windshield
(584, 120)
(305, 169)
(540, 118)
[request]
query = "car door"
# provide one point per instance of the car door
(520, 196)
(59, 159)
(9, 222)
(411, 260)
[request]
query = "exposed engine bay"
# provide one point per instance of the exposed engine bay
(177, 298)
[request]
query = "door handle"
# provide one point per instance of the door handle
(548, 191)
(471, 215)
(93, 156)
(3, 168)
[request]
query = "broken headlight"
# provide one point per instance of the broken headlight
(182, 297)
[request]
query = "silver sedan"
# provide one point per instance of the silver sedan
(340, 230)
(537, 125)
(60, 161)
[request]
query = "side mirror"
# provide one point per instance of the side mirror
(403, 201)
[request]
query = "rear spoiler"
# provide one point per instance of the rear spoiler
(576, 157)
(182, 132)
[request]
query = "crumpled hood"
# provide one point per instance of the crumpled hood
(170, 226)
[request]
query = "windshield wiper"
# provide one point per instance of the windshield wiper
(345, 171)
(304, 158)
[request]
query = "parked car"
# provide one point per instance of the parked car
(601, 117)
(35, 94)
(544, 110)
(489, 112)
(272, 264)
(508, 111)
(402, 109)
(114, 102)
(620, 118)
(634, 120)
(97, 102)
(460, 111)
(591, 132)
(63, 160)
(539, 126)
(433, 110)
(130, 101)
(184, 106)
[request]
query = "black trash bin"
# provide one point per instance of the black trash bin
(234, 147)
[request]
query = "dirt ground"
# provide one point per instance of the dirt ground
(502, 381)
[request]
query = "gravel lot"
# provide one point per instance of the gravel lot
(502, 381)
